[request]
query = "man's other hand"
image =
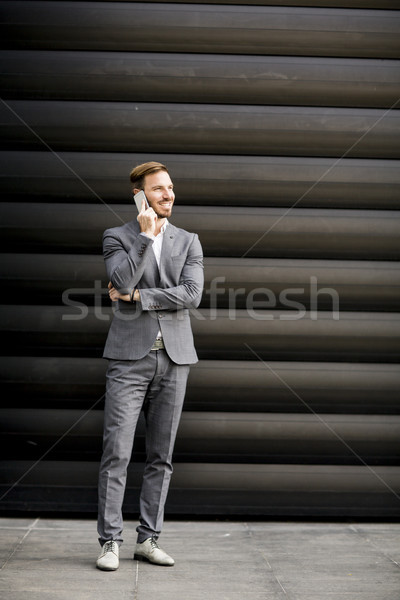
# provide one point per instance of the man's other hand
(115, 295)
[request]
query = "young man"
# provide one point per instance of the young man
(156, 275)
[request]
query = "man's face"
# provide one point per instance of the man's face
(159, 192)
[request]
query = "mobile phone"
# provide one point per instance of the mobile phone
(138, 198)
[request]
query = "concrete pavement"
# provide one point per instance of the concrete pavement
(54, 559)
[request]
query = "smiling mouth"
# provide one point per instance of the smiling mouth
(162, 208)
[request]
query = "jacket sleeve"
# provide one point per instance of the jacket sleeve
(189, 291)
(125, 268)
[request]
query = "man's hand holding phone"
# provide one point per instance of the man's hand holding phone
(147, 218)
(139, 199)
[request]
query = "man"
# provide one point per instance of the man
(156, 275)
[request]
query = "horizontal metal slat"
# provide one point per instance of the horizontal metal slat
(200, 28)
(294, 386)
(274, 335)
(205, 180)
(239, 231)
(216, 427)
(222, 334)
(377, 4)
(236, 282)
(213, 488)
(200, 78)
(229, 282)
(220, 385)
(204, 476)
(210, 437)
(196, 128)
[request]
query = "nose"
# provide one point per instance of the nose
(168, 195)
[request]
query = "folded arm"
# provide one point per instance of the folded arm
(125, 268)
(187, 294)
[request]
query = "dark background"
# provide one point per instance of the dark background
(279, 124)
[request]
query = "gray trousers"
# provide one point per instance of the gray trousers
(157, 385)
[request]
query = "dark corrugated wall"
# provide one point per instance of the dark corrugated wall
(279, 122)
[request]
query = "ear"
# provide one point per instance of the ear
(135, 191)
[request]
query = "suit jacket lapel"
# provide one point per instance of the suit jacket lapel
(153, 262)
(168, 243)
(152, 275)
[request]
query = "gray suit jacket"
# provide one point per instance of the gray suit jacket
(166, 296)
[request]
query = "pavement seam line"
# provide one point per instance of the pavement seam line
(19, 544)
(250, 533)
(273, 572)
(136, 590)
(374, 545)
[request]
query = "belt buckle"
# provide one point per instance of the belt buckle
(158, 344)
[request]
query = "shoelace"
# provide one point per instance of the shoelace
(153, 543)
(109, 546)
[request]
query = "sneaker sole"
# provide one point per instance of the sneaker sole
(141, 558)
(107, 568)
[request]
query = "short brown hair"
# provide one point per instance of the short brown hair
(138, 174)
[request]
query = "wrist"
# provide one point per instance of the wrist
(148, 234)
(135, 296)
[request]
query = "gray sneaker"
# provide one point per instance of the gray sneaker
(109, 557)
(150, 550)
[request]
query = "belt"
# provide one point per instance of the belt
(158, 344)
